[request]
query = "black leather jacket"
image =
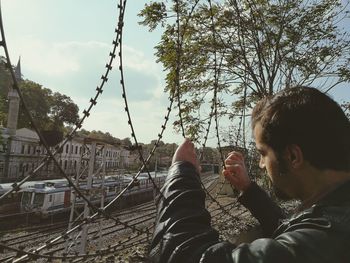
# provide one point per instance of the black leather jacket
(183, 232)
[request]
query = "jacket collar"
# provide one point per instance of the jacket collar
(337, 196)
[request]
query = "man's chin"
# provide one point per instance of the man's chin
(281, 194)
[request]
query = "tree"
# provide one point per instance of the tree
(126, 142)
(4, 86)
(3, 110)
(62, 111)
(37, 101)
(50, 111)
(162, 156)
(107, 137)
(247, 50)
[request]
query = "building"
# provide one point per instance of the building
(23, 154)
(26, 153)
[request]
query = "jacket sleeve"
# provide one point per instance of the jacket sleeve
(263, 208)
(183, 231)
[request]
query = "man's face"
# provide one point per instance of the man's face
(270, 162)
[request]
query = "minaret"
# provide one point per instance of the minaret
(13, 97)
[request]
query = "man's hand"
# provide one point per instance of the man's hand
(186, 152)
(235, 171)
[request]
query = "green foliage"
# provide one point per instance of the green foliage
(154, 14)
(62, 111)
(259, 46)
(4, 86)
(50, 111)
(104, 136)
(162, 156)
(36, 99)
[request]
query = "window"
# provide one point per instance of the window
(23, 147)
(28, 149)
(26, 198)
(67, 148)
(50, 198)
(65, 164)
(38, 199)
(76, 149)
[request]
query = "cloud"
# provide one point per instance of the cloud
(76, 67)
(147, 118)
(142, 74)
(57, 59)
(136, 60)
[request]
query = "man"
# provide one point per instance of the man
(303, 138)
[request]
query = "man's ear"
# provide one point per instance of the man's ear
(294, 155)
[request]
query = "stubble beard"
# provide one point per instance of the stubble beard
(280, 194)
(282, 174)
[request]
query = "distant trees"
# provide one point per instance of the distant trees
(247, 49)
(63, 111)
(104, 136)
(4, 84)
(36, 99)
(50, 111)
(162, 156)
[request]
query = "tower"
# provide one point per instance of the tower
(12, 119)
(14, 100)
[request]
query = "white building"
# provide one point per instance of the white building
(23, 152)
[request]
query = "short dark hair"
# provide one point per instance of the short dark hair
(310, 119)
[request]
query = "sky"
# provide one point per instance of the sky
(64, 46)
